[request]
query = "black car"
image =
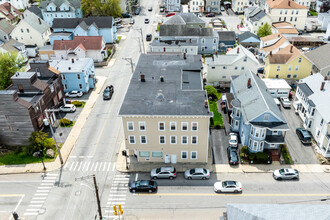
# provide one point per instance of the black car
(149, 37)
(146, 21)
(210, 15)
(143, 186)
(304, 136)
(137, 10)
(107, 93)
(126, 15)
(232, 155)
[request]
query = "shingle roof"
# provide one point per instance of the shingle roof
(285, 28)
(7, 10)
(101, 22)
(320, 56)
(289, 4)
(11, 45)
(75, 3)
(88, 42)
(285, 55)
(181, 93)
(181, 30)
(247, 35)
(34, 21)
(274, 46)
(36, 10)
(256, 14)
(227, 35)
(184, 18)
(6, 27)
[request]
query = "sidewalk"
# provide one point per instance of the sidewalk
(69, 143)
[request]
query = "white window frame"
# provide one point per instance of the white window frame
(160, 138)
(172, 123)
(175, 139)
(182, 137)
(142, 123)
(192, 123)
(278, 68)
(128, 125)
(129, 139)
(191, 153)
(192, 139)
(145, 136)
(186, 155)
(290, 67)
(159, 125)
(184, 123)
(296, 68)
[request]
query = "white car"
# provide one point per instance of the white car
(68, 108)
(74, 94)
(233, 140)
(285, 102)
(228, 186)
(286, 174)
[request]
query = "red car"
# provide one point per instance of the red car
(170, 14)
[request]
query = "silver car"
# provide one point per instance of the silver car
(285, 102)
(228, 186)
(197, 174)
(286, 174)
(163, 173)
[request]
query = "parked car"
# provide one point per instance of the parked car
(227, 186)
(131, 21)
(170, 14)
(233, 140)
(261, 70)
(137, 10)
(146, 21)
(286, 174)
(143, 186)
(304, 136)
(119, 26)
(285, 102)
(150, 9)
(67, 108)
(210, 15)
(108, 92)
(163, 173)
(117, 20)
(126, 15)
(197, 174)
(74, 94)
(232, 155)
(149, 37)
(277, 102)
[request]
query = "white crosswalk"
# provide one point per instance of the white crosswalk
(84, 166)
(41, 194)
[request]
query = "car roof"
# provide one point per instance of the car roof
(197, 170)
(289, 170)
(144, 182)
(167, 168)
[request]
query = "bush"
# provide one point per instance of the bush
(262, 156)
(77, 103)
(285, 154)
(109, 51)
(245, 151)
(252, 156)
(49, 143)
(65, 122)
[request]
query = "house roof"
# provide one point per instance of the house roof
(271, 37)
(40, 84)
(320, 56)
(5, 26)
(311, 87)
(11, 45)
(9, 11)
(274, 46)
(246, 35)
(285, 55)
(74, 3)
(66, 66)
(88, 42)
(184, 18)
(182, 30)
(255, 13)
(101, 22)
(286, 4)
(181, 93)
(285, 28)
(255, 100)
(36, 10)
(174, 43)
(227, 35)
(276, 83)
(34, 21)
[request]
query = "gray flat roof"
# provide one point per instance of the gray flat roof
(23, 75)
(181, 93)
(64, 65)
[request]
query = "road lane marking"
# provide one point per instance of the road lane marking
(31, 213)
(51, 174)
(41, 194)
(96, 165)
(32, 210)
(89, 163)
(113, 167)
(83, 168)
(80, 166)
(72, 165)
(105, 163)
(44, 187)
(100, 167)
(75, 166)
(47, 184)
(35, 205)
(37, 201)
(42, 191)
(109, 166)
(66, 165)
(113, 202)
(92, 166)
(236, 195)
(37, 198)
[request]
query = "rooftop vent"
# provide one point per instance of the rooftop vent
(249, 83)
(142, 77)
(162, 78)
(322, 86)
(69, 68)
(206, 104)
(72, 60)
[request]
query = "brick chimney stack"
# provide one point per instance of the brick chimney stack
(322, 86)
(249, 83)
(142, 77)
(291, 49)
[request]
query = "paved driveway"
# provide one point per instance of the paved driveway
(301, 154)
(219, 146)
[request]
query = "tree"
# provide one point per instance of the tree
(10, 63)
(101, 8)
(264, 30)
(37, 141)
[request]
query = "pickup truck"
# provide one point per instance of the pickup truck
(107, 93)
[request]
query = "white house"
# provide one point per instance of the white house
(195, 6)
(277, 87)
(14, 46)
(173, 5)
(255, 17)
(220, 68)
(323, 19)
(327, 34)
(306, 3)
(19, 4)
(5, 29)
(312, 104)
(31, 30)
(285, 28)
(190, 47)
(238, 6)
(287, 10)
(272, 44)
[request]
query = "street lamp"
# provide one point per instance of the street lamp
(40, 155)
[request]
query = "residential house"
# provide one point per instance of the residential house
(213, 6)
(31, 30)
(10, 13)
(173, 5)
(90, 26)
(320, 57)
(19, 4)
(165, 112)
(15, 47)
(77, 73)
(327, 34)
(312, 104)
(81, 47)
(188, 19)
(238, 6)
(285, 28)
(35, 10)
(306, 3)
(287, 10)
(323, 19)
(47, 53)
(272, 43)
(5, 29)
(312, 24)
(254, 17)
(196, 6)
(60, 36)
(277, 87)
(227, 39)
(24, 103)
(207, 38)
(322, 6)
(190, 47)
(221, 68)
(288, 63)
(248, 39)
(257, 119)
(52, 9)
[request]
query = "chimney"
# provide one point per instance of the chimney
(249, 83)
(162, 78)
(325, 78)
(237, 50)
(279, 35)
(142, 77)
(72, 60)
(69, 68)
(184, 56)
(291, 49)
(271, 53)
(289, 2)
(39, 20)
(206, 104)
(322, 86)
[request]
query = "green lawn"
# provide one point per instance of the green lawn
(217, 117)
(21, 158)
(313, 13)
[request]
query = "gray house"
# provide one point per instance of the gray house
(213, 6)
(227, 39)
(207, 38)
(188, 19)
(247, 39)
(5, 29)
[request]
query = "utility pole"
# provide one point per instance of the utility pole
(140, 30)
(129, 59)
(52, 131)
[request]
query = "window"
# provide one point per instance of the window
(162, 139)
(161, 126)
(184, 154)
(28, 30)
(194, 140)
(157, 154)
(276, 76)
(173, 126)
(236, 67)
(278, 68)
(22, 30)
(144, 154)
(193, 155)
(295, 19)
(184, 126)
(78, 76)
(295, 76)
(214, 40)
(242, 68)
(288, 76)
(291, 18)
(261, 146)
(279, 19)
(213, 67)
(194, 126)
(297, 67)
(290, 68)
(297, 12)
(321, 122)
(263, 132)
(224, 67)
(173, 139)
(143, 139)
(80, 86)
(202, 48)
(203, 40)
(299, 60)
(131, 139)
(184, 140)
(255, 145)
(284, 18)
(142, 126)
(130, 126)
(266, 117)
(318, 133)
(281, 12)
(245, 59)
